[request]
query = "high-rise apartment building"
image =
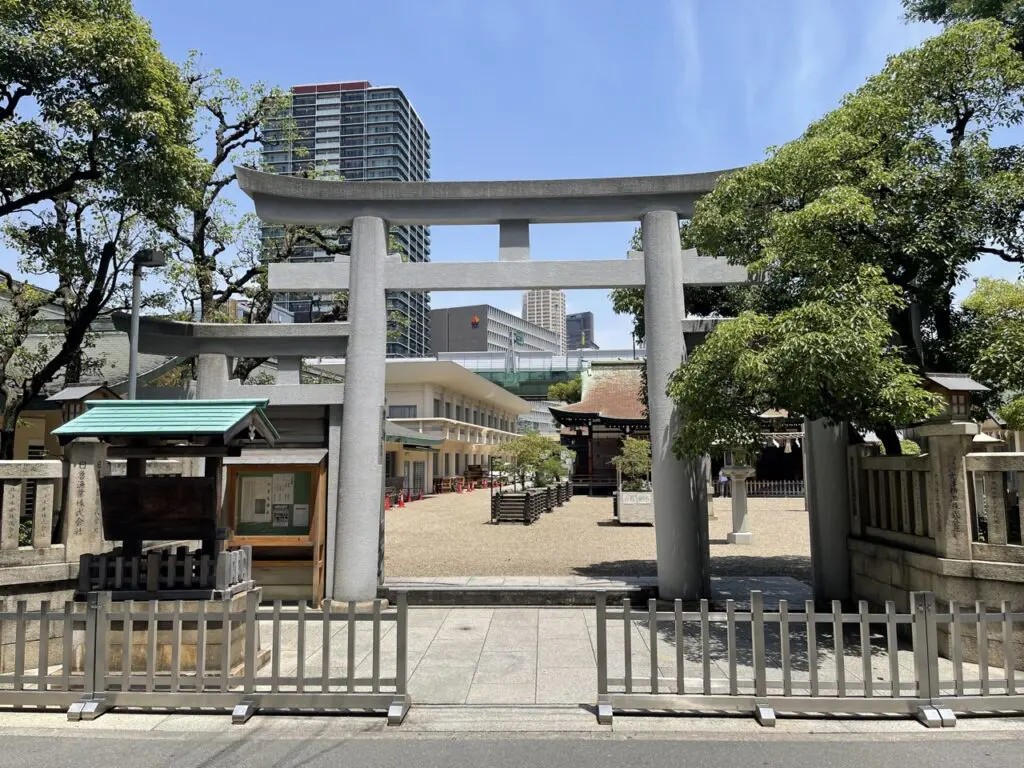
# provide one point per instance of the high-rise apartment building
(546, 307)
(579, 331)
(359, 132)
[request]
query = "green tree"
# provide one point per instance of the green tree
(995, 311)
(874, 213)
(634, 462)
(219, 252)
(566, 391)
(87, 97)
(94, 140)
(530, 455)
(1009, 12)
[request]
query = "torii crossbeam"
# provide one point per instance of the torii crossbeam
(663, 269)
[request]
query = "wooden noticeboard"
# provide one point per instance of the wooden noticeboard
(280, 506)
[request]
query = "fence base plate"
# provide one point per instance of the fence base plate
(87, 709)
(604, 712)
(242, 711)
(397, 711)
(929, 717)
(765, 716)
(946, 716)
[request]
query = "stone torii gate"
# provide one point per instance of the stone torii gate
(662, 269)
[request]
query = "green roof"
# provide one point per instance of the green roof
(169, 419)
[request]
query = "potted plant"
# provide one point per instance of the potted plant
(634, 497)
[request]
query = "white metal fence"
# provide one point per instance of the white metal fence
(749, 659)
(768, 489)
(234, 654)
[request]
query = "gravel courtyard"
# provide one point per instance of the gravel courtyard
(451, 535)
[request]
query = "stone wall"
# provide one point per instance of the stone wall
(880, 572)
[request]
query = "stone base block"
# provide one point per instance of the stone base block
(740, 537)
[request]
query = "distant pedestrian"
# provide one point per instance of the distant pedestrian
(722, 482)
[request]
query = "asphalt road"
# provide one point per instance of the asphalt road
(84, 749)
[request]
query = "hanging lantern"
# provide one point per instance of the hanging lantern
(797, 441)
(789, 447)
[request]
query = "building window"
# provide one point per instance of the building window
(401, 411)
(447, 413)
(458, 413)
(447, 465)
(437, 408)
(457, 458)
(434, 467)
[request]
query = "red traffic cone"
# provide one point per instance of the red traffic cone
(401, 500)
(387, 501)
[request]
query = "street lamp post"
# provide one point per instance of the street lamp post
(146, 257)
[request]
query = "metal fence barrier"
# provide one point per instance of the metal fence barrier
(761, 489)
(757, 661)
(208, 655)
(40, 668)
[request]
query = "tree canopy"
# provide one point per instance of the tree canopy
(94, 144)
(87, 97)
(995, 333)
(859, 230)
(566, 391)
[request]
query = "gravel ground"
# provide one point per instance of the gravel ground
(451, 535)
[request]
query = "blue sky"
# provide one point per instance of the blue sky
(563, 88)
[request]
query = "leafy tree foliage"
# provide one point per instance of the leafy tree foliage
(995, 312)
(634, 462)
(87, 97)
(859, 230)
(94, 140)
(1009, 12)
(567, 391)
(533, 455)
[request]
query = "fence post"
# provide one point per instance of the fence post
(926, 661)
(246, 708)
(400, 706)
(93, 702)
(604, 705)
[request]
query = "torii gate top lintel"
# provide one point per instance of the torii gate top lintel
(295, 200)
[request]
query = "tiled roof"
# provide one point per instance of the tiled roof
(110, 348)
(612, 390)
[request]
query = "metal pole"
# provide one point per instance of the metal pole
(133, 356)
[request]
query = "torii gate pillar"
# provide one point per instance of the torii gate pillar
(680, 488)
(356, 535)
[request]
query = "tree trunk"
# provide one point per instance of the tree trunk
(9, 421)
(890, 440)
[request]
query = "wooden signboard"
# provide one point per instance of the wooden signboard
(282, 507)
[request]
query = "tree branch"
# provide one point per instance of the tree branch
(7, 111)
(1002, 254)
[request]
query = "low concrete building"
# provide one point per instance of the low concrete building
(440, 399)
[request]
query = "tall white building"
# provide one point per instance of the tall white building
(546, 307)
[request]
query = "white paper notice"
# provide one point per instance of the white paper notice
(300, 515)
(284, 489)
(255, 506)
